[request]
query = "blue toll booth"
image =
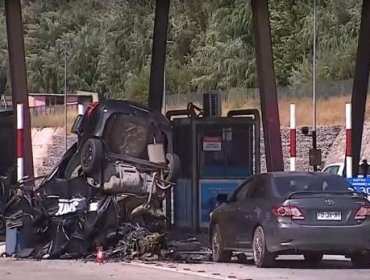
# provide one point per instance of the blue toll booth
(217, 153)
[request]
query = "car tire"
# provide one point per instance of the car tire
(174, 166)
(313, 258)
(261, 256)
(360, 260)
(91, 155)
(219, 254)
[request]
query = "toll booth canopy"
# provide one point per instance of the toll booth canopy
(216, 153)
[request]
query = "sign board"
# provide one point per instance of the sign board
(212, 143)
(360, 184)
(315, 157)
(209, 189)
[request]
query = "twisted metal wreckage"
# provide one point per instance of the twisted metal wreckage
(107, 190)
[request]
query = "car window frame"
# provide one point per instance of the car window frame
(239, 188)
(258, 183)
(329, 169)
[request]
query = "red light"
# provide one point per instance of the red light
(363, 213)
(288, 211)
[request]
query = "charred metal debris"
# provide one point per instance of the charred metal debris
(108, 190)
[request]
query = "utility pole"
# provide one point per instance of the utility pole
(18, 77)
(314, 134)
(65, 100)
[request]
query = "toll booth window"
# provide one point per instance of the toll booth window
(227, 153)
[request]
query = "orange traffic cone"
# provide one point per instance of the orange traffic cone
(99, 255)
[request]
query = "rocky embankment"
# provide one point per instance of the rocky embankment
(331, 140)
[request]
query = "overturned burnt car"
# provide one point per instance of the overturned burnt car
(123, 149)
(109, 184)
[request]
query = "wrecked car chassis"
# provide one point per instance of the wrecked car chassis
(109, 185)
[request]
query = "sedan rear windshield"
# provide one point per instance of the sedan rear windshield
(286, 185)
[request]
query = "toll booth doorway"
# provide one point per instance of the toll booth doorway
(217, 154)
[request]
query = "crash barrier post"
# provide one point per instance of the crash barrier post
(20, 158)
(13, 240)
(81, 110)
(293, 138)
(348, 141)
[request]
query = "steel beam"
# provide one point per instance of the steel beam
(267, 85)
(18, 76)
(360, 85)
(158, 54)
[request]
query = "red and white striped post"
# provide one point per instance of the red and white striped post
(348, 140)
(20, 154)
(293, 138)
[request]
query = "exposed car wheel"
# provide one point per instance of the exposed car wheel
(173, 166)
(91, 155)
(219, 254)
(262, 257)
(360, 260)
(313, 258)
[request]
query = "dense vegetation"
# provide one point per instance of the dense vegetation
(108, 44)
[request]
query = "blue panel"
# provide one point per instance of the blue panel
(217, 171)
(183, 203)
(239, 171)
(360, 184)
(209, 189)
(212, 171)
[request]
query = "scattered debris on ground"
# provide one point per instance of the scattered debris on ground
(69, 219)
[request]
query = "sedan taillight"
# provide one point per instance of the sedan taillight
(90, 109)
(288, 211)
(363, 213)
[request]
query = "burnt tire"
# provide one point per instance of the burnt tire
(174, 166)
(91, 156)
(360, 260)
(313, 258)
(261, 256)
(219, 254)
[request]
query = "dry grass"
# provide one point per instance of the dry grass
(329, 112)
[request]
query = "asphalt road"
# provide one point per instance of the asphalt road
(332, 268)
